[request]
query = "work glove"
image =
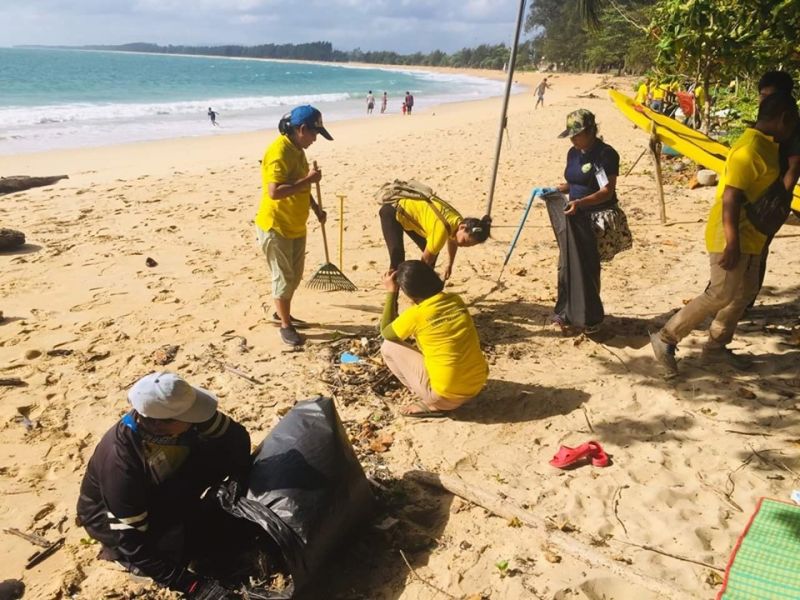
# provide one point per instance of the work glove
(208, 589)
(543, 191)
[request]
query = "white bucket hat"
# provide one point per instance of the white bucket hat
(165, 395)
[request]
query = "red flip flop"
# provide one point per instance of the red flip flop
(567, 457)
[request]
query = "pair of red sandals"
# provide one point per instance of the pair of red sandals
(592, 451)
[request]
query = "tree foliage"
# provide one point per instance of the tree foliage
(592, 35)
(485, 56)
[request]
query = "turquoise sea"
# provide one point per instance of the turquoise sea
(71, 98)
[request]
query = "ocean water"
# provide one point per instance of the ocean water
(69, 98)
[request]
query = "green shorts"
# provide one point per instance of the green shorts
(286, 259)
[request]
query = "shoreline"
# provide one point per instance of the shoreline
(86, 133)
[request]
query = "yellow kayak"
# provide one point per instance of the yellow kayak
(691, 143)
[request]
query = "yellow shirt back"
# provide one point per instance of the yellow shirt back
(752, 166)
(641, 94)
(418, 216)
(284, 163)
(449, 344)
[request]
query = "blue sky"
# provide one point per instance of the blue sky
(400, 25)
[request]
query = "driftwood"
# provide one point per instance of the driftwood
(20, 183)
(11, 238)
(568, 544)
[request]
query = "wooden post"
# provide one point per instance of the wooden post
(568, 544)
(655, 152)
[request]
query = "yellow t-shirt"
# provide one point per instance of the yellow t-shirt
(641, 94)
(660, 91)
(700, 97)
(449, 344)
(752, 166)
(418, 216)
(284, 163)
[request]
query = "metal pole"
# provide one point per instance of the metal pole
(509, 82)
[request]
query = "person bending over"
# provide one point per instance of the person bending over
(431, 225)
(449, 368)
(142, 494)
(285, 203)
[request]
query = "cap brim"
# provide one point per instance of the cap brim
(324, 133)
(564, 133)
(204, 407)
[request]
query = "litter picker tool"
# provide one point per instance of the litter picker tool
(328, 278)
(341, 198)
(516, 235)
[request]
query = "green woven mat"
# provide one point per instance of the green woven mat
(766, 563)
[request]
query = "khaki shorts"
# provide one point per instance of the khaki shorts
(286, 259)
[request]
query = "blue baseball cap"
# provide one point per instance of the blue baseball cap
(310, 117)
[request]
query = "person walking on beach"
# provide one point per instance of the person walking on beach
(409, 99)
(212, 114)
(770, 83)
(285, 203)
(449, 368)
(143, 496)
(431, 223)
(540, 89)
(734, 245)
(384, 102)
(370, 102)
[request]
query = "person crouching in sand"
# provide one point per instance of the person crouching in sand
(449, 368)
(286, 199)
(143, 495)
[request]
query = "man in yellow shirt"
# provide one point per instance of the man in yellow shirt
(643, 93)
(285, 203)
(449, 368)
(734, 245)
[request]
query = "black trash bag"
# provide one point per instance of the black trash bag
(306, 489)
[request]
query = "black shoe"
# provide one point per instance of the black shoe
(290, 336)
(296, 323)
(665, 355)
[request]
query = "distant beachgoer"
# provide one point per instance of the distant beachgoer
(384, 102)
(285, 203)
(770, 83)
(143, 496)
(431, 225)
(540, 89)
(409, 102)
(404, 108)
(212, 114)
(370, 102)
(449, 368)
(643, 92)
(733, 243)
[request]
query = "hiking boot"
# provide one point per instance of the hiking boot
(717, 354)
(290, 336)
(295, 322)
(665, 355)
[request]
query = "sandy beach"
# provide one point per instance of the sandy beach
(84, 317)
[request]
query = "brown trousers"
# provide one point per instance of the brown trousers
(726, 297)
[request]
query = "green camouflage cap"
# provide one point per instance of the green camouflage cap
(577, 121)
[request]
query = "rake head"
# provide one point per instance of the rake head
(330, 279)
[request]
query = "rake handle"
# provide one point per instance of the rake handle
(322, 224)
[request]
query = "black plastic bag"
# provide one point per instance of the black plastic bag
(306, 489)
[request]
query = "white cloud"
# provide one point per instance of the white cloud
(400, 25)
